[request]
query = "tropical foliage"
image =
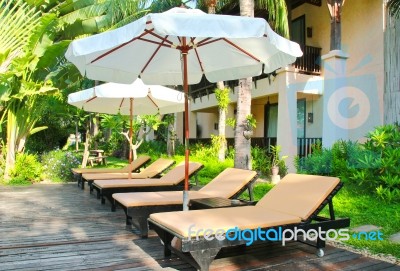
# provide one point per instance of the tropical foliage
(394, 8)
(373, 164)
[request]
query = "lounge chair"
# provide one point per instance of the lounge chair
(173, 180)
(154, 170)
(135, 166)
(294, 203)
(138, 206)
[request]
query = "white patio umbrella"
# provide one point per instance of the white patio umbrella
(129, 99)
(179, 47)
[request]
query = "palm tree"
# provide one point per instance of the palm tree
(277, 16)
(392, 63)
(242, 144)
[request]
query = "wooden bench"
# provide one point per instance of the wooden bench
(98, 160)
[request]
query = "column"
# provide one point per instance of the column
(335, 123)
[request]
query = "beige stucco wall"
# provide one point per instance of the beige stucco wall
(318, 19)
(362, 39)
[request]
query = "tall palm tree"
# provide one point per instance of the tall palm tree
(392, 63)
(277, 16)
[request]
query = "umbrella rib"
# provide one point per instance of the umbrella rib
(120, 105)
(199, 60)
(163, 39)
(122, 45)
(241, 49)
(91, 99)
(154, 53)
(153, 101)
(209, 40)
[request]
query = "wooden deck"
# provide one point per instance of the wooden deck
(61, 227)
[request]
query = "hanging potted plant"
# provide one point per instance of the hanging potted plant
(276, 159)
(249, 124)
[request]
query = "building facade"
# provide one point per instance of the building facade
(326, 95)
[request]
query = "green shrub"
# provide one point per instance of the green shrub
(380, 162)
(27, 169)
(340, 160)
(261, 162)
(153, 148)
(57, 165)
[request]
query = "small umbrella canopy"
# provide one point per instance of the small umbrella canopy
(179, 47)
(134, 99)
(113, 98)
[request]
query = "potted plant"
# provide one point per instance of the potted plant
(249, 124)
(276, 159)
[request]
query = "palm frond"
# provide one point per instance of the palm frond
(277, 15)
(17, 21)
(394, 8)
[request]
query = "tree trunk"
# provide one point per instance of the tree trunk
(222, 128)
(95, 129)
(76, 135)
(242, 145)
(11, 143)
(335, 10)
(221, 133)
(87, 143)
(171, 137)
(392, 67)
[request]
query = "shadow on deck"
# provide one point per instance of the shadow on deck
(60, 227)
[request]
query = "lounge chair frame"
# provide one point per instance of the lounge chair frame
(200, 253)
(137, 216)
(106, 193)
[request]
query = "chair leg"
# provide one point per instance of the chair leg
(204, 257)
(143, 227)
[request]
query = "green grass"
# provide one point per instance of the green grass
(365, 209)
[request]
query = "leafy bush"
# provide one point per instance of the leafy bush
(379, 164)
(57, 165)
(373, 164)
(153, 148)
(261, 162)
(338, 161)
(27, 169)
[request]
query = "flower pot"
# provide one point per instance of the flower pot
(275, 170)
(247, 134)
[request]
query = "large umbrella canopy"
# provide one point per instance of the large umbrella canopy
(179, 47)
(114, 98)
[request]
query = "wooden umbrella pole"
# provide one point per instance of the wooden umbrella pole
(130, 136)
(184, 51)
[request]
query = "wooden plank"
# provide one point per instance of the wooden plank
(61, 227)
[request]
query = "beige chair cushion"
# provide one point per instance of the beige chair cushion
(177, 174)
(121, 183)
(152, 170)
(173, 177)
(299, 195)
(231, 185)
(134, 165)
(246, 217)
(228, 182)
(138, 199)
